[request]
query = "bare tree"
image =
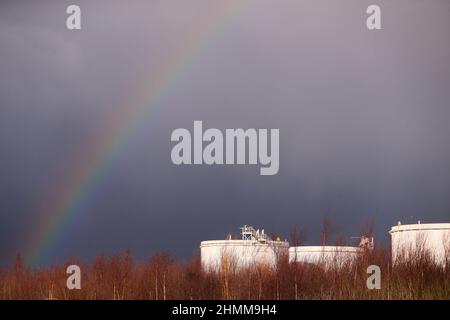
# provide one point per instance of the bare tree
(297, 236)
(327, 228)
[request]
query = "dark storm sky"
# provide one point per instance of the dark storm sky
(363, 118)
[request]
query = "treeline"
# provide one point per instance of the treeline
(162, 277)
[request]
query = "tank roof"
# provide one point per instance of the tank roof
(240, 242)
(420, 226)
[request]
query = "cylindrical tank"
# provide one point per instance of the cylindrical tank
(220, 255)
(414, 240)
(326, 255)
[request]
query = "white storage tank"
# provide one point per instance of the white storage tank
(411, 240)
(254, 248)
(329, 255)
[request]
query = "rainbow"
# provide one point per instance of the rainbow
(67, 197)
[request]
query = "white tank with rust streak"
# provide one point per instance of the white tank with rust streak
(329, 255)
(326, 255)
(254, 248)
(409, 240)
